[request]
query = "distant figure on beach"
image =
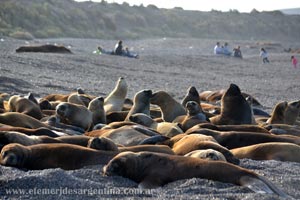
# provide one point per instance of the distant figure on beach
(218, 49)
(101, 50)
(226, 50)
(125, 52)
(237, 52)
(129, 54)
(118, 48)
(264, 55)
(294, 61)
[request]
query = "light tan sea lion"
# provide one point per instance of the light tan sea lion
(57, 97)
(25, 106)
(141, 103)
(192, 95)
(80, 99)
(75, 115)
(170, 108)
(207, 154)
(285, 113)
(192, 142)
(152, 170)
(115, 100)
(269, 151)
(96, 106)
(165, 128)
(44, 156)
(234, 108)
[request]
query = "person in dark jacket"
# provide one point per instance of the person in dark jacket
(118, 48)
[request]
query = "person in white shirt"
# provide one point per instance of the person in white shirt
(264, 55)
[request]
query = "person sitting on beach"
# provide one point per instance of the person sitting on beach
(129, 54)
(118, 48)
(226, 50)
(237, 52)
(264, 55)
(218, 49)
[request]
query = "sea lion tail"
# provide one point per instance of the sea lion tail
(260, 184)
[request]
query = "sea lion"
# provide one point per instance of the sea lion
(115, 100)
(141, 103)
(96, 106)
(285, 113)
(269, 151)
(283, 129)
(207, 154)
(103, 143)
(194, 116)
(20, 120)
(75, 115)
(152, 170)
(25, 106)
(165, 128)
(235, 139)
(57, 97)
(80, 99)
(47, 48)
(192, 95)
(29, 131)
(44, 156)
(234, 108)
(192, 142)
(170, 108)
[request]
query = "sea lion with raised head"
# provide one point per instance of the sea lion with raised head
(234, 108)
(152, 170)
(96, 106)
(169, 107)
(115, 100)
(192, 95)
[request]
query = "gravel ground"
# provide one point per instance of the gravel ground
(164, 64)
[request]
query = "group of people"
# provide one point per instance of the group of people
(236, 52)
(224, 50)
(118, 50)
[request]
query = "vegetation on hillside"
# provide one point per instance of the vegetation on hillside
(67, 18)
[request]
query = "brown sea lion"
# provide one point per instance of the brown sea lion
(194, 116)
(103, 143)
(269, 151)
(234, 108)
(25, 106)
(170, 108)
(235, 139)
(96, 106)
(57, 97)
(207, 154)
(115, 100)
(75, 115)
(192, 95)
(283, 129)
(80, 99)
(20, 120)
(44, 156)
(285, 113)
(47, 48)
(152, 170)
(165, 128)
(30, 131)
(141, 103)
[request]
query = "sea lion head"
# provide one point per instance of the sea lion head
(143, 96)
(207, 154)
(13, 155)
(62, 109)
(193, 91)
(233, 90)
(141, 118)
(96, 103)
(126, 164)
(102, 143)
(192, 108)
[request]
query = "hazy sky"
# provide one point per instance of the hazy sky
(223, 5)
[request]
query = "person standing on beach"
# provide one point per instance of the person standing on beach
(294, 61)
(264, 55)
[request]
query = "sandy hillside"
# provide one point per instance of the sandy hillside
(164, 64)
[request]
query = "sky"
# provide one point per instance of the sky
(221, 5)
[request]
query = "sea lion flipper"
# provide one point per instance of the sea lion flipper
(149, 183)
(261, 185)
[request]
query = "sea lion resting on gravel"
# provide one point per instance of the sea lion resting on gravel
(207, 154)
(44, 156)
(269, 151)
(152, 170)
(48, 48)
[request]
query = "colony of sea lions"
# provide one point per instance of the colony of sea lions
(150, 138)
